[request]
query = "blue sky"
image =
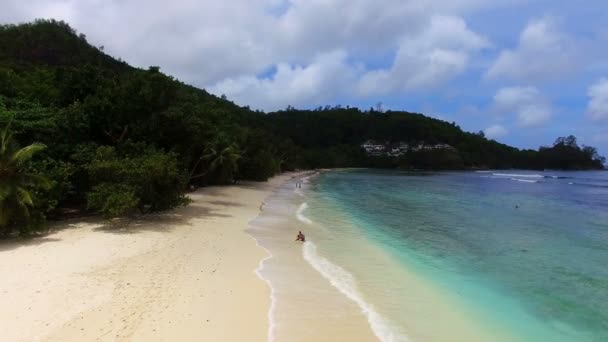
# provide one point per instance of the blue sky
(525, 72)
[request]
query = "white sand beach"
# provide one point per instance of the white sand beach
(185, 275)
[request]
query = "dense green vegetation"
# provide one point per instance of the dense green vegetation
(121, 140)
(330, 137)
(17, 185)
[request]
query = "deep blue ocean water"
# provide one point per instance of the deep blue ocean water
(526, 251)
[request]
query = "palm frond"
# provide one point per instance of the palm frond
(16, 185)
(6, 129)
(24, 197)
(5, 191)
(210, 154)
(214, 164)
(35, 180)
(25, 211)
(26, 153)
(5, 143)
(5, 137)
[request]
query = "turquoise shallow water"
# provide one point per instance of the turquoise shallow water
(524, 253)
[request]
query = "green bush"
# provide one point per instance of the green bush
(134, 176)
(113, 200)
(47, 199)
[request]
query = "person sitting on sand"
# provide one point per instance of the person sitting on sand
(300, 237)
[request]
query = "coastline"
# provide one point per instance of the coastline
(314, 285)
(223, 268)
(311, 307)
(188, 274)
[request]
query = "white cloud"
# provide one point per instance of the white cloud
(543, 53)
(598, 104)
(496, 131)
(534, 115)
(527, 103)
(511, 98)
(311, 26)
(325, 78)
(437, 54)
(423, 61)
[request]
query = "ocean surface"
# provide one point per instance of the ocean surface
(454, 256)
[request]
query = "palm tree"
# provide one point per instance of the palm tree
(16, 197)
(222, 159)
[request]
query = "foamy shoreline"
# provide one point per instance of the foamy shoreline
(187, 275)
(309, 305)
(320, 294)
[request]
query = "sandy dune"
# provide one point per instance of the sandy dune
(187, 275)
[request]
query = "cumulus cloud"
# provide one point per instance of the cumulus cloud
(598, 103)
(422, 61)
(437, 54)
(327, 77)
(310, 26)
(527, 103)
(544, 52)
(496, 131)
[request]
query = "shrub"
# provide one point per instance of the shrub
(134, 176)
(113, 200)
(47, 199)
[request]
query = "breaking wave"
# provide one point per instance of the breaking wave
(300, 215)
(524, 180)
(517, 175)
(346, 284)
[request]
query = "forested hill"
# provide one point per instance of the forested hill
(120, 138)
(333, 136)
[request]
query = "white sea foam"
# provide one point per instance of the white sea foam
(524, 180)
(300, 215)
(518, 175)
(346, 284)
(273, 297)
(299, 192)
(306, 179)
(258, 272)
